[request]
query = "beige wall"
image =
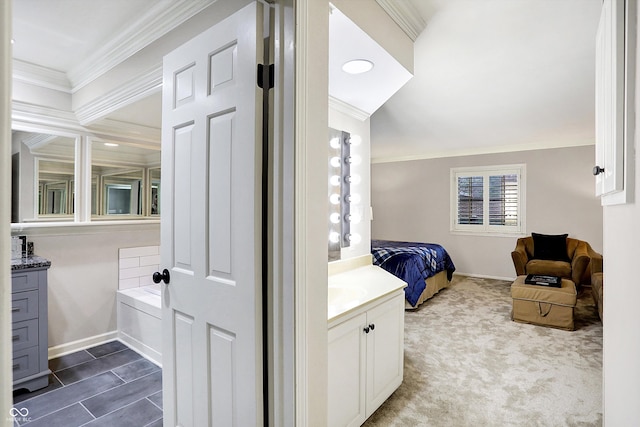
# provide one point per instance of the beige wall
(411, 201)
(83, 278)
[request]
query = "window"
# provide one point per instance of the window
(488, 200)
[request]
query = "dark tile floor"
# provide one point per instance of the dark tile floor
(107, 385)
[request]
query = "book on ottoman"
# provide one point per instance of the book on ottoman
(542, 280)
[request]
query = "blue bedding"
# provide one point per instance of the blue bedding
(412, 262)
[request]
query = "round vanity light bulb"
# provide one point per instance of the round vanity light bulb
(335, 162)
(354, 198)
(354, 238)
(355, 140)
(334, 218)
(353, 160)
(334, 180)
(334, 143)
(354, 218)
(353, 179)
(334, 199)
(334, 237)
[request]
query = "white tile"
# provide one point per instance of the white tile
(139, 251)
(129, 283)
(146, 280)
(128, 273)
(128, 263)
(150, 260)
(148, 270)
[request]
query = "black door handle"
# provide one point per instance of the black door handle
(597, 170)
(161, 277)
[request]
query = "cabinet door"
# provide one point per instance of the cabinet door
(346, 371)
(385, 351)
(610, 97)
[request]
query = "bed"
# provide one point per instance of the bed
(426, 267)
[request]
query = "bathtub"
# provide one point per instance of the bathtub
(140, 321)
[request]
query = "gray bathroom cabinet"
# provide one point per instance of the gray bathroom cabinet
(29, 323)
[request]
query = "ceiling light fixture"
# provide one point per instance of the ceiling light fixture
(357, 66)
(111, 144)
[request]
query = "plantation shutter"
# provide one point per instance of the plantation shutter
(470, 200)
(503, 200)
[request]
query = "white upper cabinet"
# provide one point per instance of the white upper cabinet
(615, 85)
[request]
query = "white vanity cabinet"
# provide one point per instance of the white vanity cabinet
(366, 356)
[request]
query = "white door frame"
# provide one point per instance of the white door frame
(310, 238)
(6, 395)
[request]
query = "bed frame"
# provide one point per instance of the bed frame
(434, 285)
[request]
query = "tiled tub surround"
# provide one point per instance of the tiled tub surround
(137, 265)
(138, 299)
(107, 385)
(140, 321)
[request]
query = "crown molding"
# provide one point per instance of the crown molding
(157, 22)
(36, 118)
(405, 14)
(348, 109)
(122, 131)
(134, 90)
(36, 140)
(38, 75)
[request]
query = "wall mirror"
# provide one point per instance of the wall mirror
(125, 180)
(43, 173)
(342, 192)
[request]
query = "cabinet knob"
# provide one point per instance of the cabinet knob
(372, 326)
(597, 170)
(366, 329)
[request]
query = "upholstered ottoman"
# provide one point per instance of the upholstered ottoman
(544, 305)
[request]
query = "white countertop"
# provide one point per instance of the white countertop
(351, 289)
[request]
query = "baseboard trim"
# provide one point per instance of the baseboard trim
(140, 348)
(484, 276)
(73, 346)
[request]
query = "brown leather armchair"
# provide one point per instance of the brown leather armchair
(576, 266)
(597, 281)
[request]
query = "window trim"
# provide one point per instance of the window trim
(485, 228)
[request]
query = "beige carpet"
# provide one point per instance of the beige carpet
(468, 364)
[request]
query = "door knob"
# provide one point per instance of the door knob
(161, 277)
(597, 170)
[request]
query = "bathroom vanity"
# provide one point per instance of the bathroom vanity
(365, 343)
(29, 322)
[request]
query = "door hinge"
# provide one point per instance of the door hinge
(267, 77)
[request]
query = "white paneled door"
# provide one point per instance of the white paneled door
(211, 226)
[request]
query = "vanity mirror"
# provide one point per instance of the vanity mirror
(342, 192)
(43, 173)
(122, 179)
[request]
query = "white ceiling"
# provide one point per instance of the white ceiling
(61, 34)
(494, 75)
(489, 75)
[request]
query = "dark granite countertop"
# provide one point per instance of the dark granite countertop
(32, 261)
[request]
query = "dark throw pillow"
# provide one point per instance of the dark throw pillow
(550, 247)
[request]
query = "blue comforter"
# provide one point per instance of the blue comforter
(412, 262)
